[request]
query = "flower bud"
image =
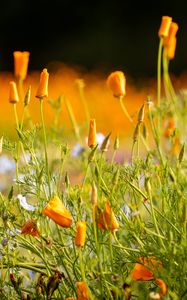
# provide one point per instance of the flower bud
(165, 26)
(21, 60)
(27, 96)
(92, 142)
(80, 234)
(170, 48)
(94, 194)
(13, 94)
(43, 84)
(117, 83)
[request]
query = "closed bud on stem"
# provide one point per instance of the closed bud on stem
(116, 143)
(104, 146)
(27, 96)
(116, 81)
(115, 177)
(92, 142)
(172, 33)
(13, 93)
(80, 237)
(92, 154)
(165, 26)
(136, 132)
(181, 153)
(141, 114)
(145, 133)
(42, 90)
(94, 194)
(170, 48)
(21, 60)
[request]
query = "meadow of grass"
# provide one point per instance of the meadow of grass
(83, 214)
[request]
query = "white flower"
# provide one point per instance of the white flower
(24, 204)
(6, 164)
(77, 150)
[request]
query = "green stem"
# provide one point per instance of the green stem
(45, 145)
(73, 120)
(159, 62)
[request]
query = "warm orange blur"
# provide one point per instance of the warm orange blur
(102, 105)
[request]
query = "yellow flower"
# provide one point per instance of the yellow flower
(165, 26)
(43, 84)
(92, 134)
(56, 210)
(116, 81)
(80, 234)
(21, 61)
(13, 93)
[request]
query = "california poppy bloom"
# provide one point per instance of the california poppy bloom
(162, 286)
(56, 210)
(80, 234)
(92, 142)
(21, 60)
(82, 292)
(30, 228)
(13, 93)
(165, 26)
(172, 33)
(116, 81)
(43, 84)
(107, 219)
(144, 270)
(171, 48)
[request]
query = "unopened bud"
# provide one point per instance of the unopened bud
(92, 154)
(94, 194)
(105, 143)
(141, 114)
(116, 143)
(181, 153)
(136, 133)
(27, 96)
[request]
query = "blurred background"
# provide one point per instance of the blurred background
(96, 35)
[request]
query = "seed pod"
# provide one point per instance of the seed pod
(92, 154)
(181, 153)
(115, 177)
(136, 133)
(13, 93)
(80, 234)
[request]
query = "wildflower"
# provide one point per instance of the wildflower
(43, 84)
(162, 286)
(165, 26)
(77, 150)
(92, 134)
(56, 210)
(13, 93)
(171, 47)
(80, 234)
(172, 33)
(82, 292)
(116, 81)
(30, 228)
(144, 269)
(24, 203)
(107, 219)
(21, 60)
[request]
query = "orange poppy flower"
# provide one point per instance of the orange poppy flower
(13, 93)
(43, 84)
(144, 269)
(162, 286)
(92, 142)
(30, 228)
(56, 210)
(70, 298)
(172, 33)
(107, 219)
(165, 26)
(21, 61)
(82, 292)
(170, 48)
(80, 234)
(116, 81)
